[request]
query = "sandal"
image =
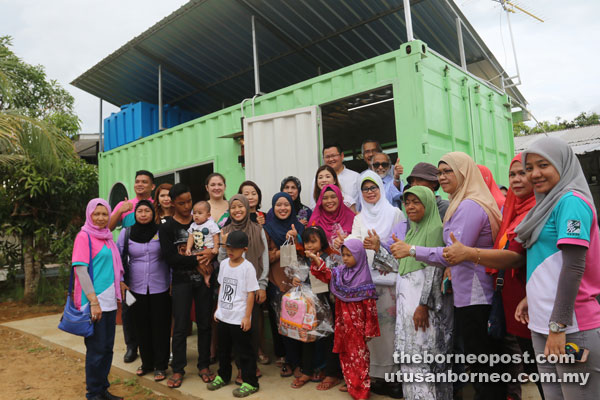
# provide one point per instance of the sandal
(175, 380)
(317, 376)
(159, 375)
(263, 359)
(343, 388)
(297, 372)
(300, 381)
(208, 376)
(286, 370)
(328, 383)
(141, 371)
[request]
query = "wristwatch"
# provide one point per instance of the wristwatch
(413, 251)
(556, 328)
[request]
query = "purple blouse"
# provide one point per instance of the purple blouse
(148, 271)
(471, 226)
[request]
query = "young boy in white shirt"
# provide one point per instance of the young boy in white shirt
(237, 278)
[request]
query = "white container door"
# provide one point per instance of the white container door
(283, 144)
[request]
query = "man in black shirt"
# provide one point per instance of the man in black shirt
(187, 285)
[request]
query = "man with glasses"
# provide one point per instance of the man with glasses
(381, 164)
(349, 180)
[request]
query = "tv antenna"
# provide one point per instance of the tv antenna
(511, 7)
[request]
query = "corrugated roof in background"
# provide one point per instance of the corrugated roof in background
(205, 48)
(583, 140)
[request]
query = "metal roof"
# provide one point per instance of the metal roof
(583, 140)
(205, 48)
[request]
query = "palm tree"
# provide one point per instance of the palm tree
(31, 152)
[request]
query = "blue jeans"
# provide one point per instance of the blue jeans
(99, 354)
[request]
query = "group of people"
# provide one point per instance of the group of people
(401, 270)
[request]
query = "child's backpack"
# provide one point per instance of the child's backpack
(298, 317)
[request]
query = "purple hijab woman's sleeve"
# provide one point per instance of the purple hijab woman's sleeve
(400, 231)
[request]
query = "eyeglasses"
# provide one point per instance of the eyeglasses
(383, 164)
(332, 156)
(369, 189)
(444, 172)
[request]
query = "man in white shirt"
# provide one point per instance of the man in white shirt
(349, 180)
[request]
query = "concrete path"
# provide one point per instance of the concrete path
(271, 384)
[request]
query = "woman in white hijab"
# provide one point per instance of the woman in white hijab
(563, 267)
(378, 216)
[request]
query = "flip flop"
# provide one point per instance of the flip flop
(175, 381)
(328, 383)
(159, 375)
(207, 377)
(286, 370)
(300, 381)
(343, 388)
(141, 371)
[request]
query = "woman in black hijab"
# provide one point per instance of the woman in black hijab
(147, 275)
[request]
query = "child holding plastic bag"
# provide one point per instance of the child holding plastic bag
(355, 313)
(320, 353)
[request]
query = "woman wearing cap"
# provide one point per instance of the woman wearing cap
(291, 185)
(148, 279)
(425, 174)
(378, 217)
(474, 216)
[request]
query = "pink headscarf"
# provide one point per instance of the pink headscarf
(491, 184)
(105, 235)
(342, 215)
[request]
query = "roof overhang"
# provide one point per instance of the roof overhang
(206, 53)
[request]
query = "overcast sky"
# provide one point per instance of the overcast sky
(558, 59)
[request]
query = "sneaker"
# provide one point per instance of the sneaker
(217, 383)
(245, 390)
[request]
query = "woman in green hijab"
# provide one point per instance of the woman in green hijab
(422, 311)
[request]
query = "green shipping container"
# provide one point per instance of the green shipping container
(429, 107)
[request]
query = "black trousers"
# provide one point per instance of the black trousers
(129, 331)
(152, 317)
(473, 322)
(526, 345)
(182, 296)
(232, 336)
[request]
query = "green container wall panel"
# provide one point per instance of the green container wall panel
(438, 108)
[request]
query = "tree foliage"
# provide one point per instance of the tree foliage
(583, 119)
(44, 186)
(32, 94)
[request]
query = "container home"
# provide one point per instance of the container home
(290, 78)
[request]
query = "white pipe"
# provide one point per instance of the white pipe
(461, 46)
(408, 19)
(160, 102)
(255, 56)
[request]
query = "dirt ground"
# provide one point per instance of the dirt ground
(32, 370)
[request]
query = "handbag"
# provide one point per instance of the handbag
(287, 254)
(74, 321)
(496, 321)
